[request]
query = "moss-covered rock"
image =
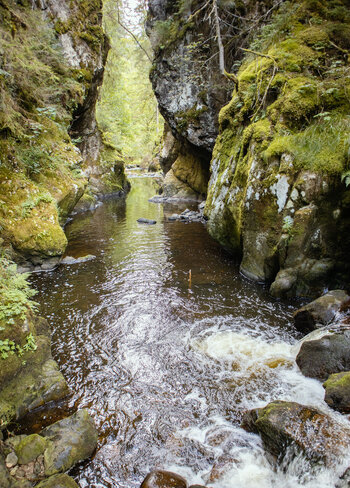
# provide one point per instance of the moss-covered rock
(43, 97)
(29, 377)
(69, 441)
(285, 425)
(30, 448)
(58, 481)
(276, 195)
(337, 393)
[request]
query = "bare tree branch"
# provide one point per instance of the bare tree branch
(135, 38)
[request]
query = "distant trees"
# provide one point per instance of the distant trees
(127, 110)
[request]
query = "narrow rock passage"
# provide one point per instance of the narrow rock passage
(165, 369)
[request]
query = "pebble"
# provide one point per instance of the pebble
(11, 460)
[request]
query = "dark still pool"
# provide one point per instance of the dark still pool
(166, 364)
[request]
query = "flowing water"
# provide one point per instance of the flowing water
(167, 365)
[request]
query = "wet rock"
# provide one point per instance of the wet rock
(320, 312)
(174, 216)
(338, 391)
(70, 260)
(72, 439)
(283, 425)
(218, 436)
(11, 460)
(163, 479)
(58, 481)
(322, 357)
(221, 467)
(189, 216)
(30, 448)
(146, 221)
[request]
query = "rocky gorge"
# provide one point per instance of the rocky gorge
(263, 149)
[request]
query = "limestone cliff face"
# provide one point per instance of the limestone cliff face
(186, 78)
(277, 194)
(51, 67)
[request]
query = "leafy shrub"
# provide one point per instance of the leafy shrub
(15, 293)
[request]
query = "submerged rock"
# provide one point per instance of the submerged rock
(146, 221)
(321, 311)
(338, 391)
(70, 260)
(163, 479)
(322, 357)
(284, 425)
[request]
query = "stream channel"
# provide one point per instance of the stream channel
(167, 369)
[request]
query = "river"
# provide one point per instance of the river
(166, 366)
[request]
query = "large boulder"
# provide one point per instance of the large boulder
(71, 440)
(322, 357)
(56, 449)
(321, 311)
(31, 378)
(338, 391)
(284, 425)
(163, 479)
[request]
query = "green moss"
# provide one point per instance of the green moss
(30, 448)
(321, 147)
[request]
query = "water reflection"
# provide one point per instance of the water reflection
(157, 363)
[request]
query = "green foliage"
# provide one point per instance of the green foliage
(15, 293)
(127, 110)
(9, 347)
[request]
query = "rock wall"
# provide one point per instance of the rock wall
(277, 194)
(51, 150)
(185, 75)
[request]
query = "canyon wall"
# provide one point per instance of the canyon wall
(277, 197)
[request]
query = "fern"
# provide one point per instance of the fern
(15, 293)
